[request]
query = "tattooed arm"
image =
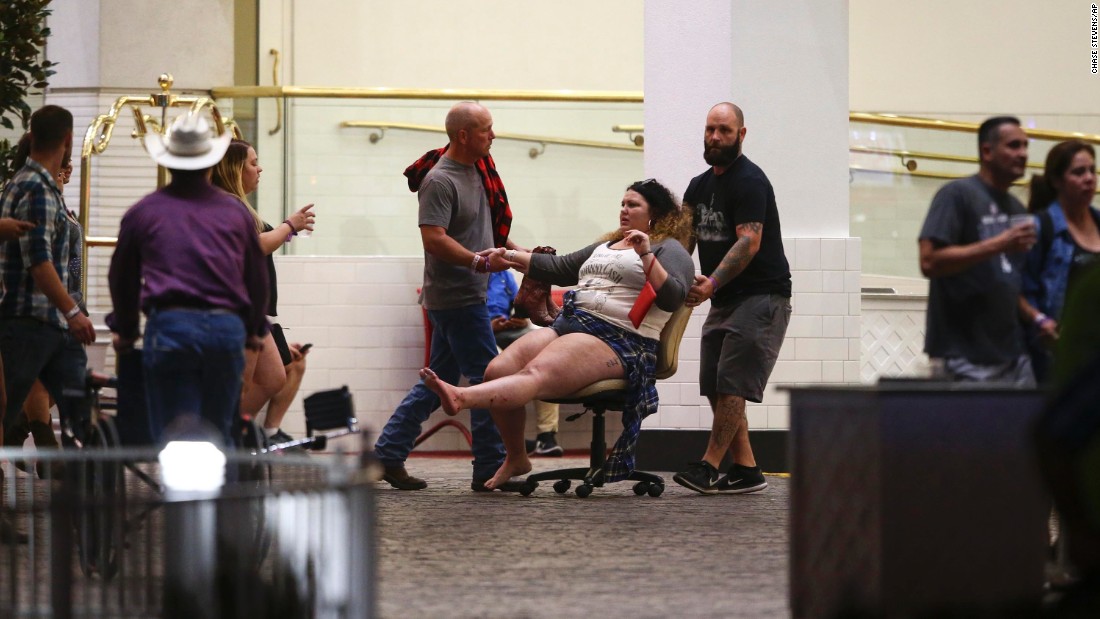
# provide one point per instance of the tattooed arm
(736, 259)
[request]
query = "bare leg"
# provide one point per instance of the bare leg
(510, 423)
(266, 379)
(730, 431)
(563, 366)
(37, 405)
(280, 402)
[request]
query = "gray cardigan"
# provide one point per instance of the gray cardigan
(562, 270)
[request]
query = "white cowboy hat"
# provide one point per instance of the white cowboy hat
(189, 145)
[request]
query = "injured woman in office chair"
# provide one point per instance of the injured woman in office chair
(628, 284)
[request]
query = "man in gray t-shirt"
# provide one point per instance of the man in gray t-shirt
(455, 224)
(972, 256)
(452, 198)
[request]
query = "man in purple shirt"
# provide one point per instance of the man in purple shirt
(188, 256)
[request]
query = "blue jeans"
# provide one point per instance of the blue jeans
(462, 345)
(193, 361)
(33, 350)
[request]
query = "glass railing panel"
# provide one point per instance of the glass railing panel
(895, 171)
(561, 195)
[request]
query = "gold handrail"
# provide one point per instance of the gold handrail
(533, 153)
(444, 94)
(934, 175)
(633, 132)
(966, 127)
(938, 125)
(908, 157)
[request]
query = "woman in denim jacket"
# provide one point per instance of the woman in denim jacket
(1069, 233)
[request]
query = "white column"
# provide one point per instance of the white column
(786, 65)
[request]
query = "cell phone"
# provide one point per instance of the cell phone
(304, 348)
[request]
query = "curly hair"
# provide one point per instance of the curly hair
(669, 221)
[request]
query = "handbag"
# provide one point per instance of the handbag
(644, 301)
(280, 343)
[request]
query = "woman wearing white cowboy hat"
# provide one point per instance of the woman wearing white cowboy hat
(188, 256)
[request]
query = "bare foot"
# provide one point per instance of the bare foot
(511, 468)
(448, 394)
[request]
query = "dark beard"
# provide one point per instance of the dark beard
(724, 156)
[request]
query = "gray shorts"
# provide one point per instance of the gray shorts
(740, 344)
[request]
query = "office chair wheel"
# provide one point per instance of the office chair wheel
(562, 486)
(584, 490)
(641, 488)
(655, 490)
(528, 488)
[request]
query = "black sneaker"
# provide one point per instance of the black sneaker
(399, 478)
(280, 437)
(547, 445)
(531, 444)
(741, 480)
(698, 476)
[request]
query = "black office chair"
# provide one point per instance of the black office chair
(605, 395)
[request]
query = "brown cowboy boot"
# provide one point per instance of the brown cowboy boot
(533, 298)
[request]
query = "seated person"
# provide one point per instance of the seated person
(507, 329)
(597, 336)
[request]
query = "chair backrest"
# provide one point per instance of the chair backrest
(668, 350)
(328, 410)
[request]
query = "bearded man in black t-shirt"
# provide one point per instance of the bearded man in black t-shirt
(748, 281)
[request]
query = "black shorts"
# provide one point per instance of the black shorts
(280, 343)
(740, 343)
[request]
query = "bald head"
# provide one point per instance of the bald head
(463, 115)
(470, 131)
(728, 107)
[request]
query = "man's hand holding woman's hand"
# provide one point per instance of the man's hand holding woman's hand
(497, 260)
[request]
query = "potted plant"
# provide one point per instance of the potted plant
(23, 68)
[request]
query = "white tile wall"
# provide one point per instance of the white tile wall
(361, 314)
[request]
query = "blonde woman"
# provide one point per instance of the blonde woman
(265, 372)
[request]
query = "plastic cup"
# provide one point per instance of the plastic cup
(1016, 221)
